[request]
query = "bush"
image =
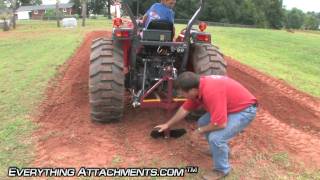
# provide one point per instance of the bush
(5, 25)
(76, 16)
(50, 15)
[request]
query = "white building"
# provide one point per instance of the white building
(38, 11)
(23, 14)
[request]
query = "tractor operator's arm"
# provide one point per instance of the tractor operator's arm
(180, 114)
(144, 18)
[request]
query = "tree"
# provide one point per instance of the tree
(2, 5)
(266, 13)
(213, 11)
(97, 6)
(274, 14)
(80, 7)
(295, 18)
(248, 13)
(5, 14)
(84, 11)
(58, 13)
(29, 2)
(233, 11)
(138, 8)
(109, 9)
(185, 8)
(36, 2)
(76, 6)
(49, 14)
(25, 2)
(144, 6)
(311, 22)
(14, 7)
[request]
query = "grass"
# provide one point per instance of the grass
(31, 55)
(29, 58)
(281, 159)
(292, 57)
(116, 160)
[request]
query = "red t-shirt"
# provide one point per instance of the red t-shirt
(220, 95)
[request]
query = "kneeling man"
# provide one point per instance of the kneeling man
(230, 108)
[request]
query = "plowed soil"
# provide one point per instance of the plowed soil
(288, 121)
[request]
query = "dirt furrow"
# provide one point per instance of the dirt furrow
(301, 111)
(291, 93)
(300, 144)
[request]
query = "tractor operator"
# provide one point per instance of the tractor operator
(160, 11)
(230, 108)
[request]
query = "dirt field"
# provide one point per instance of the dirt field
(287, 121)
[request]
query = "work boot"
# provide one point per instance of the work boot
(214, 175)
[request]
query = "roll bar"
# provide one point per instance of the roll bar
(128, 10)
(186, 35)
(192, 20)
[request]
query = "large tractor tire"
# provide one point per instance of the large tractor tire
(106, 81)
(208, 60)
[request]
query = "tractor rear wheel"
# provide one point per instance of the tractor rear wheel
(106, 81)
(208, 60)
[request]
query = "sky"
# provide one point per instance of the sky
(304, 5)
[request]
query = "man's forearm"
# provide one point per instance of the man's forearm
(180, 114)
(211, 127)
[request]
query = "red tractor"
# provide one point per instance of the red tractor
(145, 62)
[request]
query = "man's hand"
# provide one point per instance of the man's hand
(176, 118)
(140, 23)
(197, 137)
(162, 127)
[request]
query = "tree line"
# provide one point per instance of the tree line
(264, 14)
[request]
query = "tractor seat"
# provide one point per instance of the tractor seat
(160, 25)
(158, 31)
